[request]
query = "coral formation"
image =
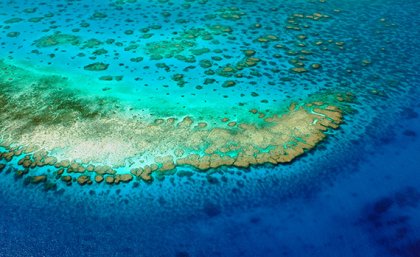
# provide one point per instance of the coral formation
(78, 138)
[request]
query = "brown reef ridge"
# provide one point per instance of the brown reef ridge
(85, 143)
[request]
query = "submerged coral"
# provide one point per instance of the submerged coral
(80, 137)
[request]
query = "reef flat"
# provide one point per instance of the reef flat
(45, 124)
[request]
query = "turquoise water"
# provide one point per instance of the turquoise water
(353, 194)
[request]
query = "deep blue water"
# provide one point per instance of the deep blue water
(357, 194)
(371, 208)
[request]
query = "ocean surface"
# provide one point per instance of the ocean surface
(113, 83)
